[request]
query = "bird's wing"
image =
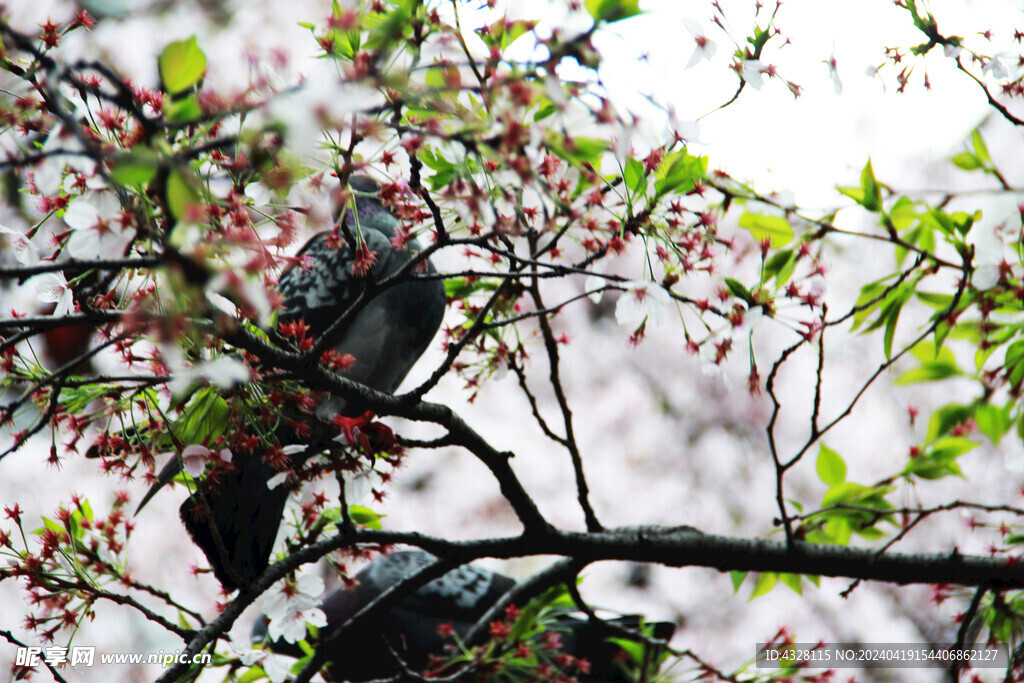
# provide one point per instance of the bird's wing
(463, 594)
(324, 284)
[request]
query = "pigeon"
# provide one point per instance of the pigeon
(422, 627)
(385, 338)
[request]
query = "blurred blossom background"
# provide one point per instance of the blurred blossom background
(667, 437)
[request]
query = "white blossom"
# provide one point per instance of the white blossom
(195, 456)
(990, 253)
(751, 317)
(53, 288)
(259, 193)
(710, 365)
(290, 607)
(951, 50)
(706, 48)
(833, 72)
(25, 252)
(995, 68)
(277, 667)
(224, 372)
(321, 101)
(688, 131)
(594, 287)
(752, 71)
(97, 228)
(248, 292)
(640, 301)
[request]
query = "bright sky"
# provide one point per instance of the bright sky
(810, 144)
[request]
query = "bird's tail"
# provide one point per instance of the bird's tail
(235, 519)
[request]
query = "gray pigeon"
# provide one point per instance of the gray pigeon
(386, 337)
(420, 627)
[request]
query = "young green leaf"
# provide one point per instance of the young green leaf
(762, 227)
(613, 10)
(182, 64)
(766, 581)
(831, 466)
(872, 192)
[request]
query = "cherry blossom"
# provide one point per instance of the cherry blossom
(247, 293)
(25, 252)
(54, 288)
(321, 102)
(641, 301)
(706, 48)
(594, 286)
(223, 372)
(833, 72)
(289, 606)
(98, 231)
(259, 193)
(991, 257)
(995, 68)
(277, 667)
(195, 456)
(752, 72)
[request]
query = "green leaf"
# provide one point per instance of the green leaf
(845, 492)
(364, 516)
(902, 213)
(613, 10)
(1015, 362)
(950, 448)
(939, 302)
(776, 229)
(184, 109)
(252, 674)
(870, 533)
(993, 421)
(854, 193)
(386, 28)
(931, 469)
(932, 371)
(980, 148)
(135, 169)
(503, 32)
(766, 581)
(780, 265)
(890, 330)
(738, 290)
(576, 150)
(182, 64)
(86, 509)
(966, 161)
(831, 467)
(181, 194)
(205, 417)
(737, 579)
(793, 581)
(947, 417)
(839, 530)
(678, 173)
(867, 302)
(872, 192)
(633, 175)
(460, 287)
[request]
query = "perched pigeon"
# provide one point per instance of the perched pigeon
(420, 626)
(386, 337)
